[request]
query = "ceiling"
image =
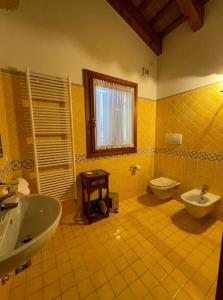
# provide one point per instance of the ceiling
(152, 20)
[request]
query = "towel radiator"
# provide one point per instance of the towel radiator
(50, 104)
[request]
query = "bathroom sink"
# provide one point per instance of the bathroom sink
(199, 206)
(25, 229)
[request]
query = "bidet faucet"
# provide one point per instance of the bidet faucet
(204, 190)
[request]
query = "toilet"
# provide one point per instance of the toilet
(163, 188)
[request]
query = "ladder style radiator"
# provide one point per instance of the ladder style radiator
(53, 137)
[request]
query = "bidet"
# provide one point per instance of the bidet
(199, 203)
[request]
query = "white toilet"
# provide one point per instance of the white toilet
(163, 188)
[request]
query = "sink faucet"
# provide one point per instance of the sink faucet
(5, 207)
(204, 190)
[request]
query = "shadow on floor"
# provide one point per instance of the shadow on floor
(150, 200)
(191, 225)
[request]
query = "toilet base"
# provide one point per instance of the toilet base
(165, 193)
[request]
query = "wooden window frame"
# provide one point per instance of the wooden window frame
(88, 77)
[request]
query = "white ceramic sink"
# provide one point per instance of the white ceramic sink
(199, 206)
(37, 216)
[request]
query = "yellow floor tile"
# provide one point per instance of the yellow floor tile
(147, 251)
(105, 292)
(138, 289)
(110, 270)
(67, 281)
(126, 295)
(98, 278)
(93, 296)
(170, 285)
(48, 264)
(85, 288)
(121, 263)
(64, 269)
(51, 291)
(34, 285)
(179, 277)
(193, 291)
(129, 275)
(158, 272)
(160, 293)
(139, 267)
(50, 276)
(149, 280)
(36, 296)
(19, 279)
(71, 294)
(181, 295)
(118, 284)
(34, 271)
(17, 293)
(81, 273)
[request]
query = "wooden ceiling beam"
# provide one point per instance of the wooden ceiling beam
(160, 13)
(143, 5)
(9, 4)
(172, 26)
(194, 11)
(138, 23)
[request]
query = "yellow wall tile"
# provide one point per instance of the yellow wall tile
(198, 115)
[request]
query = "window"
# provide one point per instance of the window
(110, 108)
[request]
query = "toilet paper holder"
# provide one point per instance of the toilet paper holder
(134, 168)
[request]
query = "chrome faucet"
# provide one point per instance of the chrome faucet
(5, 207)
(204, 190)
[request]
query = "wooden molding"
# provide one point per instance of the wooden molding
(137, 22)
(88, 77)
(219, 289)
(194, 11)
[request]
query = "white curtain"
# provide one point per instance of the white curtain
(114, 114)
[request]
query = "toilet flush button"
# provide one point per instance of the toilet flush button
(173, 138)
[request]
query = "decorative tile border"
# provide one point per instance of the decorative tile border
(191, 154)
(83, 158)
(5, 170)
(16, 165)
(22, 164)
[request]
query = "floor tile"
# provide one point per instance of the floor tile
(51, 291)
(118, 284)
(85, 287)
(129, 275)
(138, 289)
(71, 294)
(34, 285)
(110, 270)
(140, 253)
(105, 292)
(98, 278)
(67, 282)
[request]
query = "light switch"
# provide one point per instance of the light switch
(173, 138)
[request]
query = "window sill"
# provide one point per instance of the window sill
(111, 152)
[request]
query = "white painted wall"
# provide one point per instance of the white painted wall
(191, 60)
(59, 37)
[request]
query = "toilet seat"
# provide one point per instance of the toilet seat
(163, 183)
